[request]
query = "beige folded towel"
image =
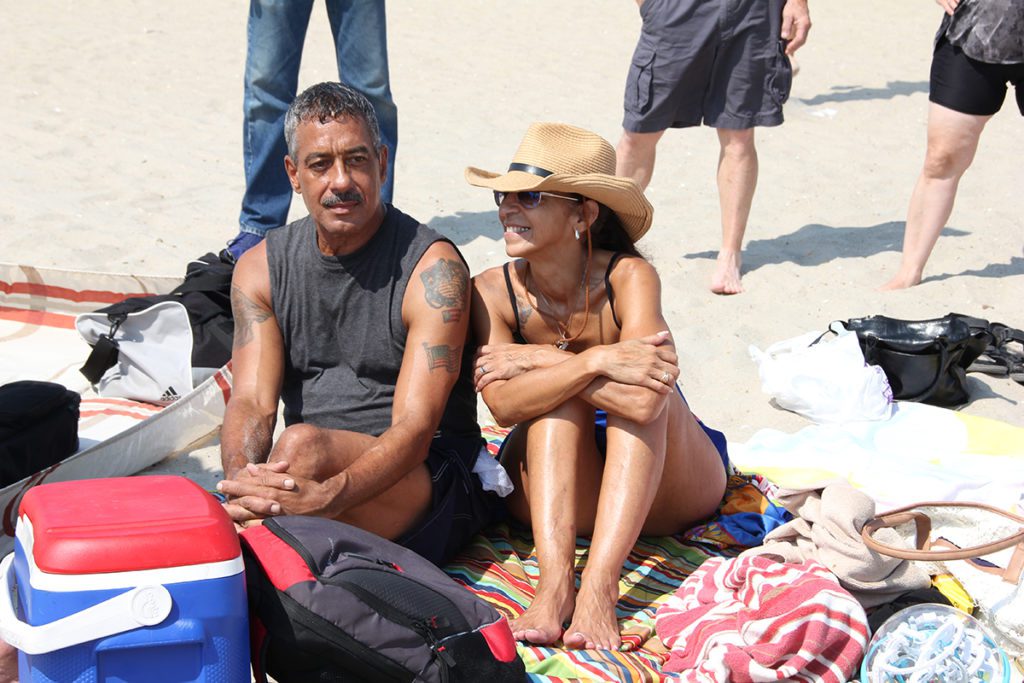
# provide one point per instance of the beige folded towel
(827, 529)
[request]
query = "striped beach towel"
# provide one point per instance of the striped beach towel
(750, 619)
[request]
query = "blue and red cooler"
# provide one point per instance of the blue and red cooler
(135, 579)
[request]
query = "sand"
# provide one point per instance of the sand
(121, 142)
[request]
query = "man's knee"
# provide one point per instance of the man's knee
(737, 142)
(295, 441)
(638, 142)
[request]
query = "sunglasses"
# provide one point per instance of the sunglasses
(530, 200)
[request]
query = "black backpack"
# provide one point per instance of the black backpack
(205, 294)
(38, 427)
(331, 602)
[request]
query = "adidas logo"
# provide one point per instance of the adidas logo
(170, 395)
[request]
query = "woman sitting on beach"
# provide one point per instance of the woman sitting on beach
(573, 336)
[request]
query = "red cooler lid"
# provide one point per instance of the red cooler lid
(96, 526)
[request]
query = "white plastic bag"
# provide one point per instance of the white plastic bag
(824, 379)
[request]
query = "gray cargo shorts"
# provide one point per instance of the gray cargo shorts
(717, 62)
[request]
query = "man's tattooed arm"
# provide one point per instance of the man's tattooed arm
(247, 314)
(443, 356)
(446, 286)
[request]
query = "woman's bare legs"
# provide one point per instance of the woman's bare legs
(651, 484)
(952, 142)
(613, 501)
(553, 462)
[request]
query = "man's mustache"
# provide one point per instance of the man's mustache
(335, 199)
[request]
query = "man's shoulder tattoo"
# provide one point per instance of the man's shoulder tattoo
(247, 314)
(446, 285)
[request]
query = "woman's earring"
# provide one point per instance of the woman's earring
(577, 234)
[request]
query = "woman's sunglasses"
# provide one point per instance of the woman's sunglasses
(530, 200)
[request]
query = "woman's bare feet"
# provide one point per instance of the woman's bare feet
(726, 278)
(541, 623)
(594, 624)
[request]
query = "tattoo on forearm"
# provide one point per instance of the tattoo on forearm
(247, 314)
(446, 283)
(443, 356)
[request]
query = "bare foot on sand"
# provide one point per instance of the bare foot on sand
(594, 625)
(541, 623)
(900, 282)
(726, 279)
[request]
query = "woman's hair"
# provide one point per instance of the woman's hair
(607, 233)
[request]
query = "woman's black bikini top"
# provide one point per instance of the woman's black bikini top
(517, 334)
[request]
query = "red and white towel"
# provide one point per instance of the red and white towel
(755, 619)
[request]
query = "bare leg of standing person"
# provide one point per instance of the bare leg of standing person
(737, 179)
(952, 142)
(635, 156)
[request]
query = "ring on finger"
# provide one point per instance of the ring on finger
(481, 370)
(665, 377)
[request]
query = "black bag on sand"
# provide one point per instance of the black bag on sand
(925, 360)
(331, 602)
(38, 427)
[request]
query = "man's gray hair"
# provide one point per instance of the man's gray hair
(325, 102)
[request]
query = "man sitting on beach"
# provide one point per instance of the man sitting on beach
(356, 318)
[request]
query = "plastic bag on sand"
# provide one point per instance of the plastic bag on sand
(825, 380)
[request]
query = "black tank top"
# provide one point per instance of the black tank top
(517, 334)
(341, 320)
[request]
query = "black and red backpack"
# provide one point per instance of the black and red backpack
(331, 602)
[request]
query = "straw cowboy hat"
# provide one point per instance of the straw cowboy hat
(555, 157)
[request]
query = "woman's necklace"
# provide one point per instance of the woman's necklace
(564, 339)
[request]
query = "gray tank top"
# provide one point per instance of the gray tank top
(341, 319)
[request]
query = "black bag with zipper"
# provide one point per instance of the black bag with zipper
(924, 360)
(38, 427)
(331, 602)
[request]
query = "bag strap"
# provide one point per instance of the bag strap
(205, 281)
(924, 549)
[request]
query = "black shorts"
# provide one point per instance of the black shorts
(969, 86)
(721, 63)
(459, 507)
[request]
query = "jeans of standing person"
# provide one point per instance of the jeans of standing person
(276, 32)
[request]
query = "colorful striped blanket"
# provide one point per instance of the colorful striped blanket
(501, 568)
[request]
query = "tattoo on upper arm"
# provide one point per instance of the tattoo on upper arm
(247, 314)
(447, 284)
(443, 356)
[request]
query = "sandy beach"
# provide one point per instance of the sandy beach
(121, 142)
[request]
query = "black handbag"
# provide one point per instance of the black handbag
(925, 360)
